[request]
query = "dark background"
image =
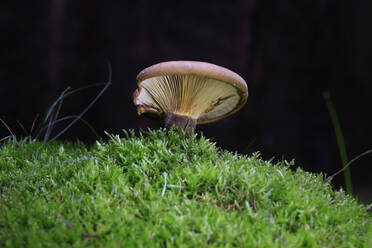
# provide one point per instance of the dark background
(288, 51)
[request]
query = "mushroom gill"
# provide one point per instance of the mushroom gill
(200, 98)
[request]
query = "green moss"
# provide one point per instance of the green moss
(167, 189)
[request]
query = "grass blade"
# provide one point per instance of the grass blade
(49, 129)
(340, 141)
(22, 127)
(59, 99)
(87, 108)
(33, 125)
(74, 117)
(46, 121)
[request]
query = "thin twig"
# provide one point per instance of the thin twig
(7, 137)
(10, 131)
(350, 162)
(66, 222)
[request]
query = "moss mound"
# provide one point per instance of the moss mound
(167, 189)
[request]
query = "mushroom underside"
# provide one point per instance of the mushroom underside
(200, 98)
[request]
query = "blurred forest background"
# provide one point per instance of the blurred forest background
(288, 51)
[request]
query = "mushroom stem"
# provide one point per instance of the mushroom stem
(181, 121)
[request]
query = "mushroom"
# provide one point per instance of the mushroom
(186, 93)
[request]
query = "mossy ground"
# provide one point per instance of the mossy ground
(167, 189)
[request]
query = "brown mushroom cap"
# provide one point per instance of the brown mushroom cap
(200, 90)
